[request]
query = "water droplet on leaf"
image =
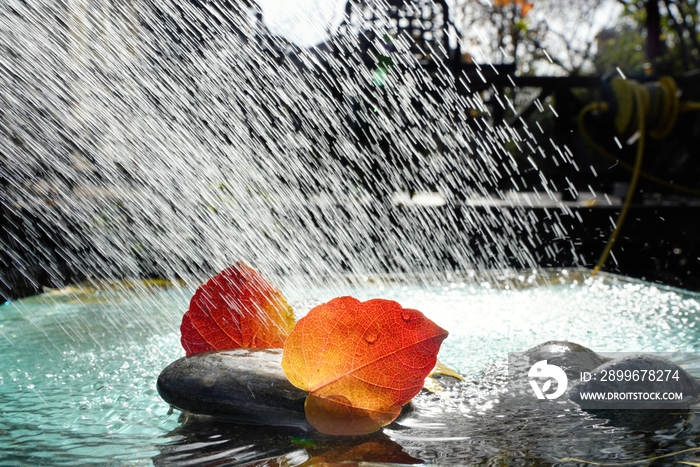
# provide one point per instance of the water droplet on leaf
(371, 337)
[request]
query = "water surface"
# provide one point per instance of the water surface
(77, 377)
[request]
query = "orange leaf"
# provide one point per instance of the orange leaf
(236, 308)
(361, 361)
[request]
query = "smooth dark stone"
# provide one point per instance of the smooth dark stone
(643, 365)
(249, 386)
(637, 415)
(241, 385)
(570, 357)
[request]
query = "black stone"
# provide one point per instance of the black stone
(241, 385)
(249, 386)
(637, 415)
(674, 379)
(570, 357)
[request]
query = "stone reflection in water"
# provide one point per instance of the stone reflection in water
(201, 441)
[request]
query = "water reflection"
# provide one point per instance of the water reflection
(435, 432)
(205, 442)
(474, 422)
(78, 373)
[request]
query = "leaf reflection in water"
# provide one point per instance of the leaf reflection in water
(202, 441)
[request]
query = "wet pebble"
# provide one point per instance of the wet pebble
(640, 381)
(240, 385)
(249, 385)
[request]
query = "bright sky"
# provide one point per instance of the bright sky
(308, 22)
(304, 22)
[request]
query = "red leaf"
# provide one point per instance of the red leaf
(361, 361)
(236, 308)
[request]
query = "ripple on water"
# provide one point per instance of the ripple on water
(77, 379)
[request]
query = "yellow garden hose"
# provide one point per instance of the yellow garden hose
(603, 107)
(630, 193)
(655, 106)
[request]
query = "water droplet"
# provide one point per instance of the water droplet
(371, 337)
(406, 315)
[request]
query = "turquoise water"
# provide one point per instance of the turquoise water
(78, 373)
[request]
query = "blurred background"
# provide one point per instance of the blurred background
(563, 127)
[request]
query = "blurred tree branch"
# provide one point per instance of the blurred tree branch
(672, 29)
(562, 37)
(551, 36)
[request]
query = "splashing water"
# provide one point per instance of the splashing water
(77, 377)
(157, 139)
(170, 139)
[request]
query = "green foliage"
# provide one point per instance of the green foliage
(679, 37)
(567, 36)
(621, 48)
